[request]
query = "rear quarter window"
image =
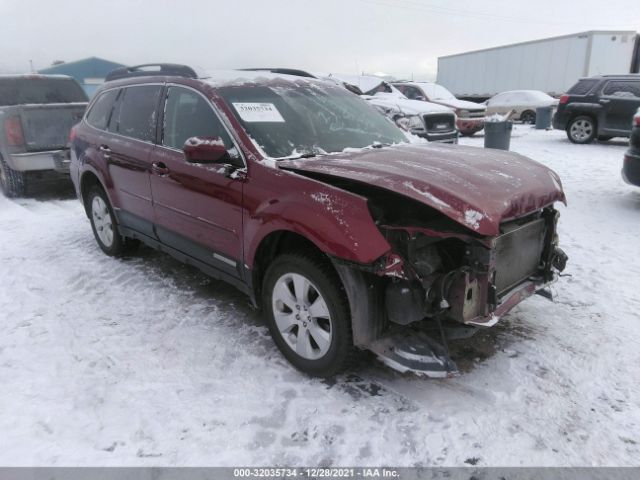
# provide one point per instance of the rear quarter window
(620, 88)
(137, 113)
(582, 87)
(102, 109)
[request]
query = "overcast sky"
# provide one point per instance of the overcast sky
(398, 37)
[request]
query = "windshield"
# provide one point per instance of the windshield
(26, 90)
(437, 92)
(305, 118)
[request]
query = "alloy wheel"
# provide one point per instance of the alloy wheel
(302, 316)
(102, 221)
(581, 130)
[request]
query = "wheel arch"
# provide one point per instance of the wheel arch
(273, 244)
(89, 179)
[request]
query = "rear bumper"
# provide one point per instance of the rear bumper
(631, 168)
(469, 125)
(560, 120)
(56, 160)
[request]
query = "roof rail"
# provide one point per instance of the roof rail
(282, 71)
(152, 69)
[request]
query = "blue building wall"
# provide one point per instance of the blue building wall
(88, 72)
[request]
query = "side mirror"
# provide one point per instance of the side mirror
(205, 150)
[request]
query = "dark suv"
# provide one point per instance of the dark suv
(599, 107)
(303, 196)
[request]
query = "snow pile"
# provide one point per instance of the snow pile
(144, 361)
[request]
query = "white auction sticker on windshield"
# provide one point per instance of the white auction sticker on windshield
(258, 112)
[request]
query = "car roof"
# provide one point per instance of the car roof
(216, 79)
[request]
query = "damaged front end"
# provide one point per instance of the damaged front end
(442, 274)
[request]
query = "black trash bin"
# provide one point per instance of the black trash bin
(497, 135)
(543, 118)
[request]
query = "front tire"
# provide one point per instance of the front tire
(582, 130)
(308, 314)
(104, 225)
(12, 182)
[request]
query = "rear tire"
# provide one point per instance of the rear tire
(582, 130)
(104, 225)
(528, 117)
(12, 182)
(308, 314)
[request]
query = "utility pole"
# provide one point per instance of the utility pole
(31, 66)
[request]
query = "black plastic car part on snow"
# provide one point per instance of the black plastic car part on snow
(631, 165)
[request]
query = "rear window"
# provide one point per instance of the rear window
(39, 90)
(582, 87)
(100, 112)
(137, 113)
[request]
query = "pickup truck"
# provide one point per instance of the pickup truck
(36, 116)
(433, 122)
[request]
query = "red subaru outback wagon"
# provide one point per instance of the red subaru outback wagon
(302, 195)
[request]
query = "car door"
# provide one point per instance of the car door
(620, 100)
(197, 207)
(127, 149)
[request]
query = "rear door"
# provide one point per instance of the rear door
(198, 209)
(127, 149)
(620, 100)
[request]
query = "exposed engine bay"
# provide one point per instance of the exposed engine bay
(439, 271)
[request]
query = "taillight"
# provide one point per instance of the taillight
(13, 131)
(636, 120)
(564, 99)
(72, 134)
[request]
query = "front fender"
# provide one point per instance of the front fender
(337, 222)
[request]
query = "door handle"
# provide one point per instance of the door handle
(159, 168)
(604, 101)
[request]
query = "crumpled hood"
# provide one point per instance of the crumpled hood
(478, 188)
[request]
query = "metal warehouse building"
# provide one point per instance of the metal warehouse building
(89, 72)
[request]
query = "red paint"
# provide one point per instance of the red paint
(475, 187)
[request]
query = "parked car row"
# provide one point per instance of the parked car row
(298, 192)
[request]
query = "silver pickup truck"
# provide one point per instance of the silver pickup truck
(36, 115)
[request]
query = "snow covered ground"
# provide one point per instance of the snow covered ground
(144, 361)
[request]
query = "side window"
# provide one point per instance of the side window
(412, 93)
(100, 112)
(628, 89)
(187, 114)
(137, 113)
